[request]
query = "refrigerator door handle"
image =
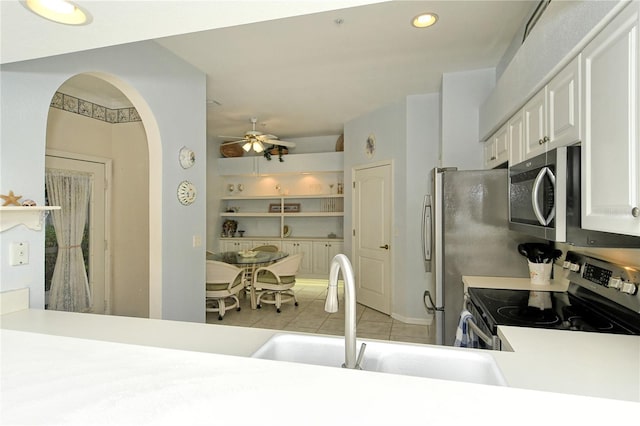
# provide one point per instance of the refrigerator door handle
(431, 307)
(426, 232)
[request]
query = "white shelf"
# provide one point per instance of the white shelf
(314, 214)
(254, 214)
(31, 217)
(278, 197)
(277, 215)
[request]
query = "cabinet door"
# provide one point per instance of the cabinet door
(516, 138)
(305, 247)
(235, 245)
(496, 149)
(489, 153)
(611, 148)
(323, 254)
(563, 116)
(535, 124)
(335, 247)
(320, 257)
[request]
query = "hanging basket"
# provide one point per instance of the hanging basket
(232, 150)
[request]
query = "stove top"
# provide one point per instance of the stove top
(561, 311)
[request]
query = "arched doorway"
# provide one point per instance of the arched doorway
(92, 121)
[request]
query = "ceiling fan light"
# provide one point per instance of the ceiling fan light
(247, 147)
(257, 147)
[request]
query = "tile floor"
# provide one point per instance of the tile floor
(310, 317)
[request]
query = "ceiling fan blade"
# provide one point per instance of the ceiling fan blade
(231, 137)
(232, 142)
(282, 143)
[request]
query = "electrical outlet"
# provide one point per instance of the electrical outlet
(19, 254)
(197, 240)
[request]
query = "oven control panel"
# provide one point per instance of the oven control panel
(615, 282)
(596, 274)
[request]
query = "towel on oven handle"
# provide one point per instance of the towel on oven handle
(465, 337)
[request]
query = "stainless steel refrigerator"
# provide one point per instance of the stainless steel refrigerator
(465, 232)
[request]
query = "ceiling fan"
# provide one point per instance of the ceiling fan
(256, 140)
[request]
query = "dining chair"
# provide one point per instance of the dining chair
(223, 282)
(277, 280)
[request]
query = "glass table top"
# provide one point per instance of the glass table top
(236, 258)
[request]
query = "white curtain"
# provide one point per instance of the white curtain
(69, 285)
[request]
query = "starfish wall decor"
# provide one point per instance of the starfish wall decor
(11, 199)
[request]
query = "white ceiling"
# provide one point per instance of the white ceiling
(300, 75)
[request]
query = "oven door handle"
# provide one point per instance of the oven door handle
(537, 185)
(485, 338)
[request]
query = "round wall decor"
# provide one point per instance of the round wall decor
(186, 193)
(187, 157)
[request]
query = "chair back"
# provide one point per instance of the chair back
(222, 273)
(269, 248)
(286, 267)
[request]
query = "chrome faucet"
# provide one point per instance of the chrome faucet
(340, 261)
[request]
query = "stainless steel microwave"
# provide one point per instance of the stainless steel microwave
(538, 194)
(544, 201)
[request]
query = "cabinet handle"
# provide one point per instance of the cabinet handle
(545, 139)
(540, 141)
(492, 158)
(635, 212)
(386, 246)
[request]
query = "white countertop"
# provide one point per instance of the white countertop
(596, 364)
(557, 284)
(65, 368)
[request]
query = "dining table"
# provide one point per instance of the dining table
(249, 261)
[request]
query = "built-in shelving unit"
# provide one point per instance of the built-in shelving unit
(31, 217)
(274, 215)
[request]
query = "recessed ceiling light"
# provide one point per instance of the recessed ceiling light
(61, 11)
(424, 20)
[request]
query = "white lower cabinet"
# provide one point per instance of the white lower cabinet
(611, 144)
(323, 253)
(235, 244)
(300, 246)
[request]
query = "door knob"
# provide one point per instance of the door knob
(386, 246)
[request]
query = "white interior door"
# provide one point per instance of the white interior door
(96, 271)
(372, 220)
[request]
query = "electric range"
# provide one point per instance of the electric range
(602, 297)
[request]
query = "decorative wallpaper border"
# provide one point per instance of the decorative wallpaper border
(89, 109)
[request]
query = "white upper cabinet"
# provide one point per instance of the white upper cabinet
(552, 116)
(516, 138)
(496, 149)
(611, 147)
(563, 99)
(535, 124)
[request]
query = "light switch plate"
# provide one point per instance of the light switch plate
(19, 254)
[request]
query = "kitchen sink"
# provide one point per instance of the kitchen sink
(396, 358)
